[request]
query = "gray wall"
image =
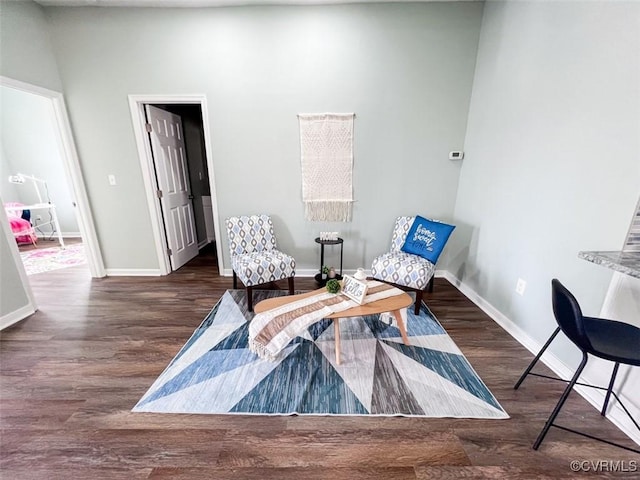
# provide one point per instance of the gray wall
(552, 161)
(25, 49)
(28, 138)
(405, 70)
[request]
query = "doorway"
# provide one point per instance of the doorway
(48, 180)
(180, 191)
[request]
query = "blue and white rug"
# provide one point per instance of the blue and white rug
(215, 372)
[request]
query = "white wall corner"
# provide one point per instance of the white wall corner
(594, 396)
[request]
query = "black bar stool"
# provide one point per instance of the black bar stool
(607, 339)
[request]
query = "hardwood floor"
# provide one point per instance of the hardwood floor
(70, 374)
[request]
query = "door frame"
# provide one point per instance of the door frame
(72, 172)
(147, 167)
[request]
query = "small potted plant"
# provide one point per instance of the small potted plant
(324, 272)
(333, 286)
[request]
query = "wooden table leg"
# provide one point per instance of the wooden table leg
(403, 330)
(336, 326)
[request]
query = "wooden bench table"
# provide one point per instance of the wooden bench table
(391, 304)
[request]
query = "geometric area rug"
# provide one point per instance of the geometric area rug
(216, 373)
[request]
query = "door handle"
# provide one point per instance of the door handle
(191, 197)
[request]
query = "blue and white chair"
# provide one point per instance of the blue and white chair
(254, 256)
(401, 269)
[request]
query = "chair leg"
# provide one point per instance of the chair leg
(613, 379)
(535, 360)
(430, 285)
(235, 280)
(560, 403)
(250, 299)
(291, 290)
(416, 308)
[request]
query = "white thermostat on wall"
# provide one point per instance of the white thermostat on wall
(456, 155)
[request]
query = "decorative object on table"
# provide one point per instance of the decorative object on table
(332, 273)
(320, 277)
(43, 260)
(355, 289)
(360, 274)
(216, 373)
(606, 339)
(328, 236)
(254, 254)
(325, 272)
(326, 151)
(406, 270)
(333, 286)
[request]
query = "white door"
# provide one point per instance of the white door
(167, 145)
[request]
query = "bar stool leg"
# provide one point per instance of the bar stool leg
(613, 379)
(560, 403)
(535, 360)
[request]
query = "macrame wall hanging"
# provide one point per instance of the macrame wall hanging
(326, 149)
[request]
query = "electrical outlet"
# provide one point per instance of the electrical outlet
(521, 286)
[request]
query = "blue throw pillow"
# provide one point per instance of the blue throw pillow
(427, 238)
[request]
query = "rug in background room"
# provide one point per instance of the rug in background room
(42, 260)
(215, 372)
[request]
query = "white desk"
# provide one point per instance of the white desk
(42, 206)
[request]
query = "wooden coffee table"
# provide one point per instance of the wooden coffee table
(391, 304)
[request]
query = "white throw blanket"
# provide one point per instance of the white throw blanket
(271, 331)
(326, 150)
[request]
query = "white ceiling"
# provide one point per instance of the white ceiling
(209, 3)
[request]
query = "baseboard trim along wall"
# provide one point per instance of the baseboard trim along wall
(309, 272)
(54, 238)
(16, 316)
(133, 272)
(595, 397)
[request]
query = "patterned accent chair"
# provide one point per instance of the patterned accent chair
(404, 270)
(254, 257)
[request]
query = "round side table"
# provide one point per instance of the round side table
(339, 241)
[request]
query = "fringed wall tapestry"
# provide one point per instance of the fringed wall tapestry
(326, 148)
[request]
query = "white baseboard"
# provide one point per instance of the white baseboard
(15, 316)
(133, 272)
(203, 243)
(302, 272)
(310, 272)
(55, 235)
(595, 397)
